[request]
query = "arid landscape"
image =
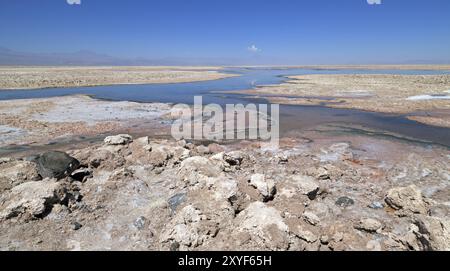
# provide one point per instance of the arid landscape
(79, 173)
(231, 128)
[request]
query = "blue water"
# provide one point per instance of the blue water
(292, 117)
(184, 92)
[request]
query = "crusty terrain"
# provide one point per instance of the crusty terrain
(328, 194)
(400, 94)
(50, 77)
(41, 120)
(423, 67)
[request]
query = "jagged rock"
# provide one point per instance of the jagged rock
(225, 188)
(189, 228)
(199, 165)
(31, 199)
(264, 224)
(81, 174)
(369, 225)
(344, 202)
(14, 172)
(306, 186)
(105, 159)
(322, 174)
(56, 165)
(215, 148)
(266, 187)
(311, 218)
(176, 200)
(122, 139)
(202, 149)
(306, 235)
(282, 159)
(406, 200)
(432, 233)
(234, 158)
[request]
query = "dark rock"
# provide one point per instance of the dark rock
(176, 200)
(76, 226)
(56, 165)
(175, 246)
(81, 174)
(344, 202)
(139, 223)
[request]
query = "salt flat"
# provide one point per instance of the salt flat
(49, 77)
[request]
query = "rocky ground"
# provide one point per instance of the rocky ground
(141, 194)
(41, 121)
(423, 98)
(50, 77)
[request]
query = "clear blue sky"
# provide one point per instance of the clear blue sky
(294, 32)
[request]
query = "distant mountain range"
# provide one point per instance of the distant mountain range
(89, 58)
(10, 57)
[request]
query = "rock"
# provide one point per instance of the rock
(406, 199)
(203, 150)
(215, 148)
(311, 218)
(344, 202)
(433, 233)
(322, 174)
(234, 158)
(258, 215)
(56, 164)
(225, 189)
(189, 228)
(176, 200)
(105, 159)
(266, 187)
(199, 165)
(305, 235)
(15, 172)
(81, 174)
(139, 223)
(376, 205)
(32, 199)
(282, 159)
(122, 139)
(76, 226)
(369, 225)
(306, 186)
(264, 225)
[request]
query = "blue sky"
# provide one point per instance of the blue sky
(283, 31)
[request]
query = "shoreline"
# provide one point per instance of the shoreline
(33, 78)
(392, 94)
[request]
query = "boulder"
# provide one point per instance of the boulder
(15, 172)
(369, 225)
(56, 164)
(306, 185)
(406, 200)
(32, 199)
(199, 165)
(264, 225)
(122, 139)
(311, 218)
(266, 187)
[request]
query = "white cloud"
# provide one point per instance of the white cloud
(253, 49)
(374, 2)
(74, 2)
